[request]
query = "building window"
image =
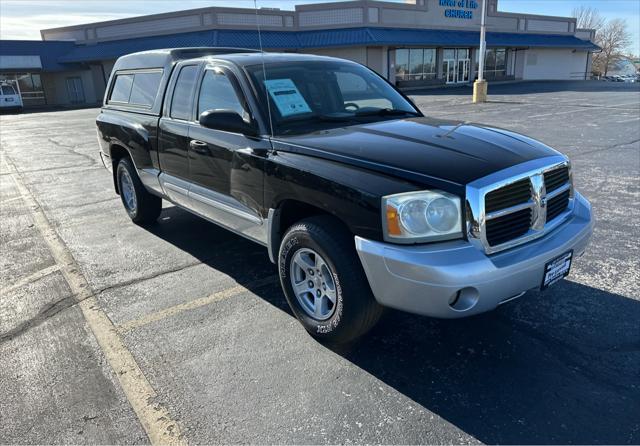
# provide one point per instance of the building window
(29, 85)
(402, 64)
(495, 63)
(31, 88)
(415, 64)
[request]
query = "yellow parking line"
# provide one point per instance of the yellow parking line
(9, 200)
(154, 417)
(30, 279)
(629, 120)
(191, 305)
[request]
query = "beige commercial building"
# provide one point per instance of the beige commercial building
(427, 42)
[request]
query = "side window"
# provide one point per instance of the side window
(182, 93)
(122, 88)
(217, 92)
(145, 88)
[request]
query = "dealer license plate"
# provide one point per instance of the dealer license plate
(556, 269)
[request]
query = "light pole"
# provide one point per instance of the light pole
(480, 85)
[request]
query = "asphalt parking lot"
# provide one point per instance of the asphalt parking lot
(110, 333)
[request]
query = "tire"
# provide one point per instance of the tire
(355, 310)
(143, 208)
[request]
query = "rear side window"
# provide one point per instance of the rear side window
(122, 88)
(8, 90)
(145, 88)
(138, 89)
(183, 93)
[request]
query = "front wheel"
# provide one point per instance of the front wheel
(323, 281)
(143, 208)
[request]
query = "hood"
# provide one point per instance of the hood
(448, 151)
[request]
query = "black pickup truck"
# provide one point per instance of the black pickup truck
(361, 200)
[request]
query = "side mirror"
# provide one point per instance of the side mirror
(226, 120)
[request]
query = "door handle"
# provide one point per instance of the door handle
(199, 146)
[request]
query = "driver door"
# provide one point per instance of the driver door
(225, 168)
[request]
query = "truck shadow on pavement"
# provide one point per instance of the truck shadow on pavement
(561, 366)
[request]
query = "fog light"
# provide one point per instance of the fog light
(465, 299)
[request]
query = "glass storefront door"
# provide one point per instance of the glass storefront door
(450, 70)
(463, 70)
(456, 65)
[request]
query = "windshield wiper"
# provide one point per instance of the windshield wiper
(335, 117)
(386, 112)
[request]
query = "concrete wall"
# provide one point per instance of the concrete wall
(99, 81)
(107, 65)
(421, 14)
(554, 64)
(375, 59)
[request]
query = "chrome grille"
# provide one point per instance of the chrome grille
(556, 178)
(557, 205)
(511, 195)
(506, 212)
(503, 229)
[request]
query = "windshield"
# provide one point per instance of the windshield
(312, 95)
(7, 90)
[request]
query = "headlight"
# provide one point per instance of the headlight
(423, 216)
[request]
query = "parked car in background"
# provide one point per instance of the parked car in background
(361, 201)
(10, 99)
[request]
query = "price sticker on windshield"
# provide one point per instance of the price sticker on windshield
(287, 97)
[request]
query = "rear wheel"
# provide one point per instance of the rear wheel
(323, 281)
(143, 208)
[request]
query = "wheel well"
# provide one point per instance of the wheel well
(117, 153)
(287, 214)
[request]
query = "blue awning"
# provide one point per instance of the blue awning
(50, 52)
(66, 52)
(226, 38)
(391, 36)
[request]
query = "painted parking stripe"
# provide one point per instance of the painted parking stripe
(154, 417)
(196, 303)
(563, 112)
(637, 118)
(31, 278)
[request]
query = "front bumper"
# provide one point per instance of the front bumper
(456, 279)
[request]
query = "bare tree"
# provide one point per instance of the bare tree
(614, 38)
(588, 18)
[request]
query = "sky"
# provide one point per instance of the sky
(23, 19)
